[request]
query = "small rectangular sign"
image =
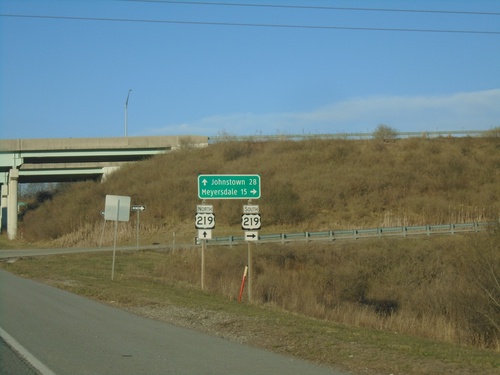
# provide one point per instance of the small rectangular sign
(117, 208)
(205, 209)
(251, 236)
(250, 209)
(204, 234)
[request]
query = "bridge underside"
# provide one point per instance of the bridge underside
(54, 175)
(70, 160)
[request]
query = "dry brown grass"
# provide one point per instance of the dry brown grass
(441, 288)
(311, 185)
(144, 285)
(445, 288)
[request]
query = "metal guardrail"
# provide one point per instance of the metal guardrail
(355, 234)
(346, 136)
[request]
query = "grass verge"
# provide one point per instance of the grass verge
(342, 347)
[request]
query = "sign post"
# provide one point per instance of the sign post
(204, 222)
(138, 209)
(103, 228)
(203, 249)
(250, 262)
(117, 209)
(250, 222)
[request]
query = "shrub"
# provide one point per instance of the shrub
(385, 133)
(493, 133)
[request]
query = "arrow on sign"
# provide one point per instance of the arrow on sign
(138, 208)
(204, 182)
(205, 234)
(253, 191)
(252, 236)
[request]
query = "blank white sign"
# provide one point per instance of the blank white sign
(117, 208)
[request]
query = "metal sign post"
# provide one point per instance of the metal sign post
(138, 209)
(137, 227)
(103, 228)
(114, 240)
(117, 209)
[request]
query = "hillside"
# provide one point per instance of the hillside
(444, 288)
(307, 185)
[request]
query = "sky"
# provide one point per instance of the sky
(246, 67)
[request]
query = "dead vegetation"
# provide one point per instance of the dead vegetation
(306, 186)
(444, 288)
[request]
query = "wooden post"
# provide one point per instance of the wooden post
(250, 272)
(203, 247)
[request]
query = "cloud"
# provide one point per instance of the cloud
(478, 110)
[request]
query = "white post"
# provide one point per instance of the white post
(12, 204)
(137, 227)
(102, 233)
(114, 241)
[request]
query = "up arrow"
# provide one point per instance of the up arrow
(205, 234)
(204, 182)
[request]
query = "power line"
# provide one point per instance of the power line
(316, 7)
(262, 25)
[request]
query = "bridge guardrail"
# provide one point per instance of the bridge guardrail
(355, 234)
(345, 136)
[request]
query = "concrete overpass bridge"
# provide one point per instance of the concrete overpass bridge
(72, 159)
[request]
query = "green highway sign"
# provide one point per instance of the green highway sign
(229, 186)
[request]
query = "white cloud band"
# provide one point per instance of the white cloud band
(478, 110)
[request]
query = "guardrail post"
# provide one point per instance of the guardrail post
(428, 229)
(331, 235)
(307, 236)
(452, 228)
(283, 238)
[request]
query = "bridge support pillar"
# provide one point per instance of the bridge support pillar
(106, 171)
(3, 207)
(12, 204)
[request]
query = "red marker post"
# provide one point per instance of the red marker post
(243, 283)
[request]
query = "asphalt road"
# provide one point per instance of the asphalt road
(69, 334)
(17, 253)
(12, 362)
